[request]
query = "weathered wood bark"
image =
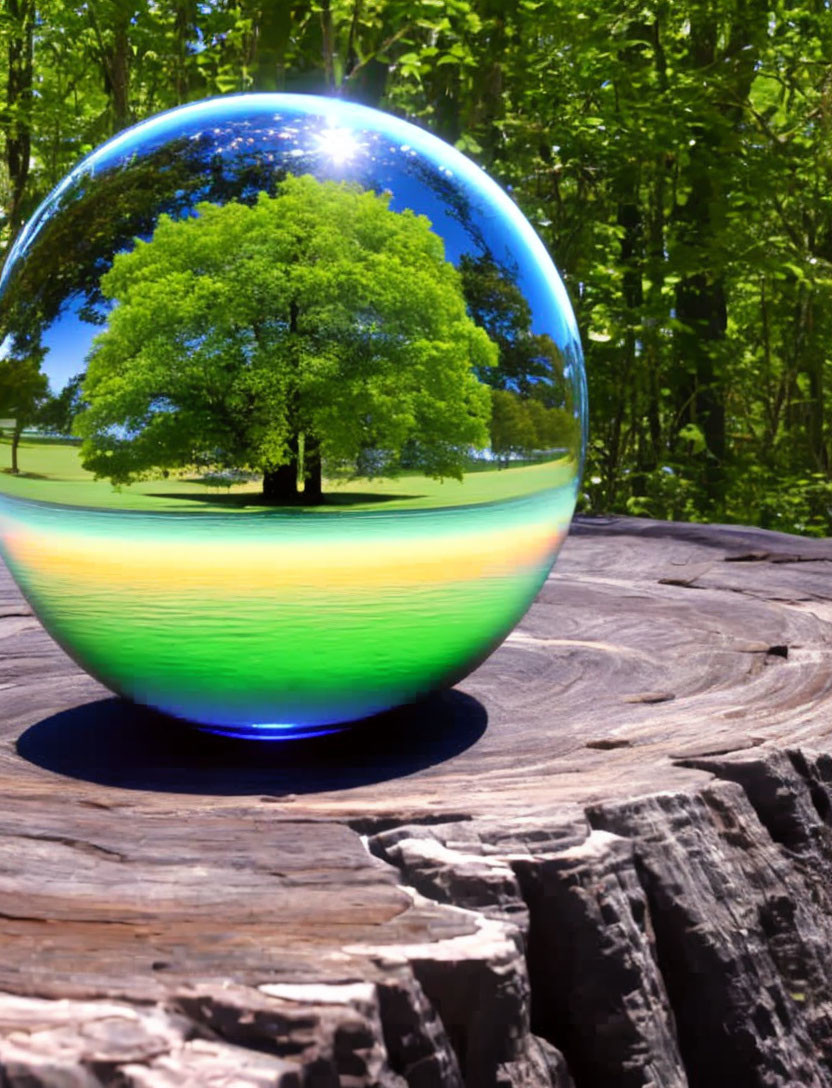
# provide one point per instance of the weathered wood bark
(604, 860)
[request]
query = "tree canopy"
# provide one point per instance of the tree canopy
(307, 328)
(23, 390)
(530, 363)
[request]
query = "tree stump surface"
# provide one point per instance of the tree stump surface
(604, 859)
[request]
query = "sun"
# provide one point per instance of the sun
(338, 144)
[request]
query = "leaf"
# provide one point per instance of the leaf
(466, 143)
(693, 434)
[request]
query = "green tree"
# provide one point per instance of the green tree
(512, 430)
(56, 413)
(554, 428)
(524, 426)
(308, 328)
(22, 390)
(675, 158)
(529, 362)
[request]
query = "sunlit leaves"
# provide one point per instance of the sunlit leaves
(315, 312)
(601, 118)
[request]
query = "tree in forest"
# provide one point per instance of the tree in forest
(22, 390)
(56, 413)
(512, 431)
(554, 427)
(15, 119)
(525, 426)
(528, 361)
(674, 158)
(306, 329)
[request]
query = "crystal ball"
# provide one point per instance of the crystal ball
(293, 414)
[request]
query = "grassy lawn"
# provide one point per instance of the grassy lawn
(51, 472)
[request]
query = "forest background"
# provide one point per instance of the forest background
(676, 159)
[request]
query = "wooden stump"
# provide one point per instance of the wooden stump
(603, 860)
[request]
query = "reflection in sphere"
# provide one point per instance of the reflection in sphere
(294, 413)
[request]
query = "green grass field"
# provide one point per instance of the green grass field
(51, 472)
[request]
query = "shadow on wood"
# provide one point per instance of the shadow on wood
(116, 743)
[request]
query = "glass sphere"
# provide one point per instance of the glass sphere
(293, 413)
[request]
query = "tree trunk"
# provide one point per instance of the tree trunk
(118, 72)
(185, 18)
(274, 33)
(700, 296)
(632, 259)
(115, 55)
(328, 45)
(814, 370)
(16, 433)
(312, 472)
(700, 307)
(728, 70)
(21, 14)
(280, 484)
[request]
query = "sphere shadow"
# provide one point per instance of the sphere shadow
(113, 742)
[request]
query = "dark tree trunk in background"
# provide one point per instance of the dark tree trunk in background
(185, 19)
(21, 14)
(700, 300)
(813, 367)
(273, 36)
(328, 45)
(115, 56)
(701, 306)
(628, 185)
(632, 259)
(655, 245)
(118, 75)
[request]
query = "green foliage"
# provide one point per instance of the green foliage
(315, 318)
(22, 388)
(56, 413)
(675, 158)
(523, 427)
(512, 431)
(529, 363)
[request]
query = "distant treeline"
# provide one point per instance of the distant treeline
(675, 157)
